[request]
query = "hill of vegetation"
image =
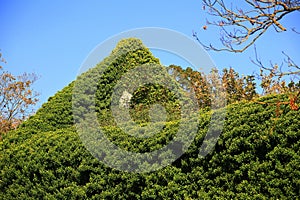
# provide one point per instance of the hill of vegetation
(256, 157)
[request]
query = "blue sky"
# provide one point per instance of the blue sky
(52, 38)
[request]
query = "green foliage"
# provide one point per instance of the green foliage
(256, 157)
(152, 94)
(55, 114)
(128, 55)
(249, 161)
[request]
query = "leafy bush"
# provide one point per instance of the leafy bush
(257, 155)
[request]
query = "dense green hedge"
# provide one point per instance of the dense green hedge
(256, 157)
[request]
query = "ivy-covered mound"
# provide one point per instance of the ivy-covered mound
(256, 157)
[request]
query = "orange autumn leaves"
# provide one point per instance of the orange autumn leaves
(16, 98)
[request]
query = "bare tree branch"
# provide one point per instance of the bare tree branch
(275, 80)
(241, 28)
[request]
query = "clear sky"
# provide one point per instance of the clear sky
(52, 38)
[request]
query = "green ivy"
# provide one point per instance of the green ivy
(256, 157)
